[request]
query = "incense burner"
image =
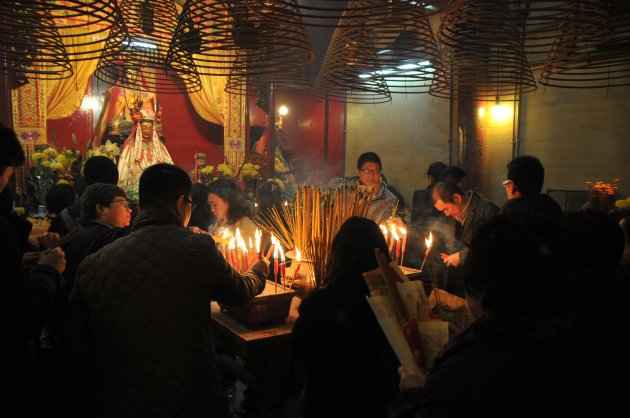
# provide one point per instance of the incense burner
(272, 305)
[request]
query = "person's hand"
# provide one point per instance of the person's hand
(54, 258)
(48, 240)
(197, 230)
(261, 266)
(410, 381)
(451, 260)
(30, 259)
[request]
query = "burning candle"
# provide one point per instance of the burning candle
(403, 231)
(428, 242)
(271, 248)
(384, 231)
(283, 267)
(298, 258)
(392, 228)
(257, 236)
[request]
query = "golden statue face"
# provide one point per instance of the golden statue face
(147, 130)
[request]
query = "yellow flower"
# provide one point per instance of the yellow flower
(62, 159)
(46, 163)
(622, 203)
(19, 210)
(38, 156)
(279, 182)
(207, 169)
(50, 151)
(63, 181)
(224, 169)
(56, 166)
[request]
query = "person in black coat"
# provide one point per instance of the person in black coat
(27, 297)
(350, 366)
(516, 359)
(525, 178)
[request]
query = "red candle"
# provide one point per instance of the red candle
(397, 249)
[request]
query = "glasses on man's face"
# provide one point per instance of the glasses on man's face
(122, 202)
(506, 182)
(370, 172)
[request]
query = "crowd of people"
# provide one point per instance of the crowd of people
(119, 316)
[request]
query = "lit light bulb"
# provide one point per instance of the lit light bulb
(283, 110)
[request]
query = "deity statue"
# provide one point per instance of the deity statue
(141, 149)
(121, 103)
(197, 174)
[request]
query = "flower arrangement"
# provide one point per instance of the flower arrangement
(602, 194)
(109, 150)
(51, 167)
(603, 188)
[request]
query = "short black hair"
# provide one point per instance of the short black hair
(371, 157)
(527, 173)
(435, 169)
(11, 152)
(227, 190)
(59, 197)
(100, 169)
(98, 194)
(452, 174)
(446, 190)
(161, 184)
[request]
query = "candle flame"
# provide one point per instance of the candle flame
(298, 255)
(257, 236)
(225, 234)
(238, 234)
(251, 245)
(232, 245)
(395, 235)
(383, 230)
(281, 251)
(428, 242)
(392, 227)
(275, 250)
(403, 231)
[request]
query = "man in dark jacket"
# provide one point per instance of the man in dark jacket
(470, 210)
(525, 179)
(139, 329)
(27, 299)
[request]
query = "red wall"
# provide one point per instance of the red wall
(304, 126)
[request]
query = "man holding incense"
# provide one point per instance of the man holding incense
(370, 178)
(470, 210)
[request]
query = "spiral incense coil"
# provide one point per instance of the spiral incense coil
(150, 26)
(31, 46)
(483, 57)
(85, 26)
(537, 23)
(226, 35)
(605, 65)
(350, 71)
(332, 13)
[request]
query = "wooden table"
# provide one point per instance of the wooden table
(265, 350)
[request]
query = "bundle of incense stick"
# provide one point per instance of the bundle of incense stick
(71, 235)
(312, 221)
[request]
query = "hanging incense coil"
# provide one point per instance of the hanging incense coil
(332, 13)
(226, 35)
(483, 56)
(537, 23)
(85, 26)
(351, 71)
(150, 27)
(31, 46)
(602, 66)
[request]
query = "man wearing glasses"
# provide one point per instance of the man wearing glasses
(526, 176)
(369, 177)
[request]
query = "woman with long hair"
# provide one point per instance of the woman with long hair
(230, 208)
(337, 339)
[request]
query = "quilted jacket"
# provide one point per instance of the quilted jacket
(138, 325)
